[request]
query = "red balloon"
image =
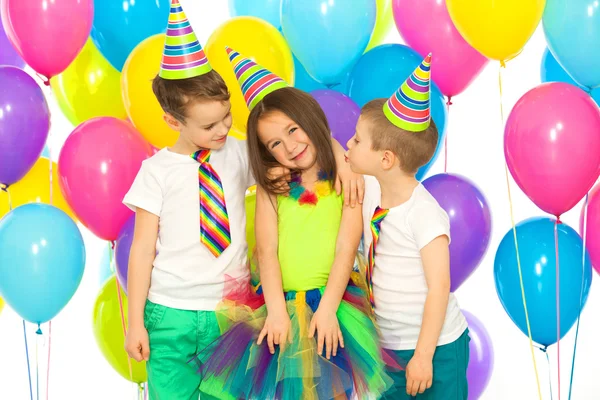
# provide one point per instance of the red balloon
(96, 168)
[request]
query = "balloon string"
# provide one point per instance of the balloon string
(5, 189)
(584, 233)
(37, 367)
(448, 104)
(514, 229)
(557, 303)
(48, 370)
(545, 351)
(124, 327)
(27, 356)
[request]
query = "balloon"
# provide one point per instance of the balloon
(8, 54)
(119, 26)
(122, 248)
(105, 270)
(141, 105)
(342, 113)
(497, 29)
(97, 166)
(255, 39)
(592, 228)
(481, 357)
(426, 27)
(108, 331)
(1, 305)
(89, 87)
(24, 123)
(303, 80)
(328, 37)
(35, 188)
(268, 10)
(470, 222)
(42, 258)
(538, 263)
(383, 23)
(551, 126)
(381, 71)
(572, 29)
(48, 34)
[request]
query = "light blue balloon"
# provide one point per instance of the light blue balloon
(42, 258)
(551, 71)
(120, 25)
(535, 238)
(269, 10)
(381, 71)
(46, 152)
(572, 29)
(328, 36)
(303, 80)
(105, 271)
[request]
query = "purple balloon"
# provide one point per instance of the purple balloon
(8, 54)
(481, 357)
(122, 249)
(470, 222)
(24, 123)
(341, 111)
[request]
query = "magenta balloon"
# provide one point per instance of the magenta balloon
(592, 229)
(24, 123)
(481, 357)
(341, 111)
(470, 222)
(552, 145)
(122, 248)
(426, 27)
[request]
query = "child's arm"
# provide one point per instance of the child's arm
(141, 258)
(325, 319)
(277, 325)
(353, 184)
(436, 264)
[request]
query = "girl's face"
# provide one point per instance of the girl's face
(286, 141)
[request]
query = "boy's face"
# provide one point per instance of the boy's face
(360, 155)
(207, 124)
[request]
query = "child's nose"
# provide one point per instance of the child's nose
(290, 145)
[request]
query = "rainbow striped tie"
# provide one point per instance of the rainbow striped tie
(214, 221)
(378, 217)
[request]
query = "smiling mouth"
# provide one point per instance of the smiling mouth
(300, 154)
(221, 139)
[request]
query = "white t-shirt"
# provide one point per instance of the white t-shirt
(399, 285)
(186, 275)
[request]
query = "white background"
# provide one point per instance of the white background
(79, 371)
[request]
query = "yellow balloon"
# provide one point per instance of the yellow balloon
(383, 24)
(108, 331)
(257, 40)
(1, 304)
(497, 29)
(35, 188)
(89, 87)
(143, 109)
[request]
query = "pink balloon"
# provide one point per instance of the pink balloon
(426, 26)
(552, 145)
(592, 229)
(96, 168)
(47, 34)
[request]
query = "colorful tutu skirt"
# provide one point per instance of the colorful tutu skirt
(235, 367)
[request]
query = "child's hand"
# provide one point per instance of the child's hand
(419, 375)
(277, 330)
(137, 343)
(352, 184)
(326, 324)
(277, 173)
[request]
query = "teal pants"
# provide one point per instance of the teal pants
(176, 336)
(450, 363)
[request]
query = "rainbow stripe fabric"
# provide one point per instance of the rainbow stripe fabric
(214, 221)
(378, 217)
(183, 57)
(255, 81)
(408, 108)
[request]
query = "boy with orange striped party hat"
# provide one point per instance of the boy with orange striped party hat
(406, 236)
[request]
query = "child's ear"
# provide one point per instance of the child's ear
(172, 122)
(388, 160)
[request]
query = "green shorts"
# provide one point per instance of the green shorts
(176, 336)
(450, 363)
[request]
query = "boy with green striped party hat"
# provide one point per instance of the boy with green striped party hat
(406, 236)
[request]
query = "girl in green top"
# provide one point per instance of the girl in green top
(307, 330)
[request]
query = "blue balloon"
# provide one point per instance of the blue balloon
(269, 10)
(42, 258)
(572, 29)
(551, 71)
(381, 71)
(538, 263)
(105, 270)
(328, 36)
(303, 80)
(120, 25)
(46, 152)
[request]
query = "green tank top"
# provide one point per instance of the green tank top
(307, 240)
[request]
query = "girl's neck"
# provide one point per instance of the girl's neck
(311, 174)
